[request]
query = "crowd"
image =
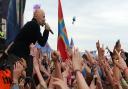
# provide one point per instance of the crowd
(76, 72)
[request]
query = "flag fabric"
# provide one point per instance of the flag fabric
(45, 49)
(63, 43)
(20, 6)
(14, 19)
(12, 26)
(5, 4)
(71, 43)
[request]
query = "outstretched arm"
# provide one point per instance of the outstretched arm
(43, 39)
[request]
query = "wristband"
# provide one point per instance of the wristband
(15, 83)
(76, 71)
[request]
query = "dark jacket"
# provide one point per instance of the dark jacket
(126, 55)
(30, 33)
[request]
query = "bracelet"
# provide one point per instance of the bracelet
(76, 71)
(15, 83)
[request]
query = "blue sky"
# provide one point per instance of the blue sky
(104, 20)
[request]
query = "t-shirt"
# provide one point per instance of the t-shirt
(5, 79)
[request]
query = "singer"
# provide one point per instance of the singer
(30, 33)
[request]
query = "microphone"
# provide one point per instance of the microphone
(48, 28)
(51, 31)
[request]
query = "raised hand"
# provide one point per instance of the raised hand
(55, 56)
(90, 58)
(36, 64)
(34, 51)
(118, 53)
(60, 83)
(98, 44)
(76, 60)
(18, 68)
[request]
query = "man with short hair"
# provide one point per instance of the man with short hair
(30, 33)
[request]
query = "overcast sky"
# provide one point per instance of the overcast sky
(104, 20)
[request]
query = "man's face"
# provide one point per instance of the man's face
(39, 15)
(41, 19)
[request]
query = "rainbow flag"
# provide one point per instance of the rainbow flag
(63, 43)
